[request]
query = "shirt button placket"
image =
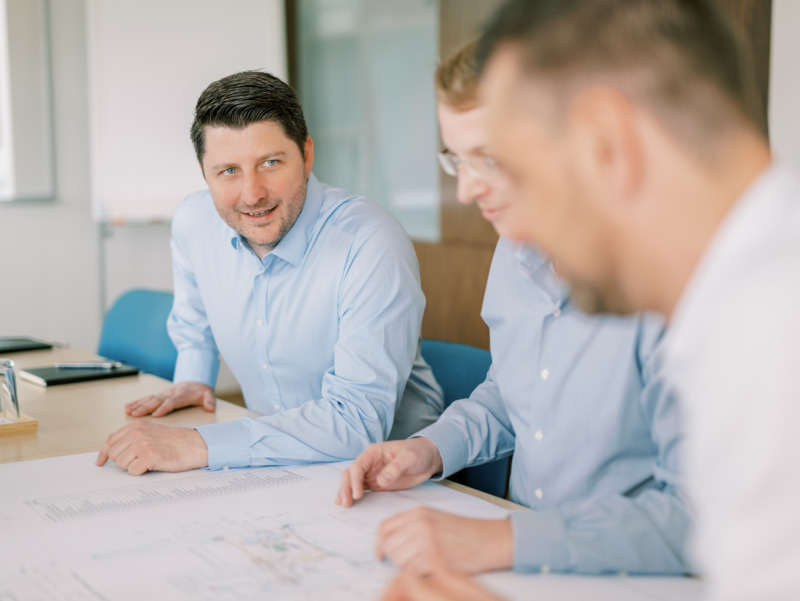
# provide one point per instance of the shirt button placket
(545, 373)
(261, 321)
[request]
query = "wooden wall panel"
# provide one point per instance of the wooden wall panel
(462, 20)
(454, 279)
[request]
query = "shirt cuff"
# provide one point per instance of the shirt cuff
(452, 445)
(540, 541)
(197, 365)
(228, 444)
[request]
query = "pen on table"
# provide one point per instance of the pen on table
(90, 365)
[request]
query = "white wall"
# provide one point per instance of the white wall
(784, 89)
(49, 285)
(50, 279)
(50, 261)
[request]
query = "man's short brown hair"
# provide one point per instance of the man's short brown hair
(242, 99)
(457, 79)
(681, 58)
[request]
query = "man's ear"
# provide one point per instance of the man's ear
(308, 151)
(608, 148)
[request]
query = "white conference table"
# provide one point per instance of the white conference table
(77, 418)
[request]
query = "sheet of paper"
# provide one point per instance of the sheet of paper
(72, 531)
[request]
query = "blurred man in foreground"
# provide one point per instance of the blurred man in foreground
(627, 131)
(581, 401)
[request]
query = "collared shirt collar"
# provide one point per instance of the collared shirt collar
(539, 268)
(294, 244)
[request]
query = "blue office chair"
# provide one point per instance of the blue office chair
(459, 368)
(135, 332)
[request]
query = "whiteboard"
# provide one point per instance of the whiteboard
(149, 60)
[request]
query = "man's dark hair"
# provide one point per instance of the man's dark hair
(683, 58)
(242, 99)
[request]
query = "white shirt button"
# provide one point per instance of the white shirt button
(538, 436)
(265, 366)
(260, 322)
(277, 407)
(557, 313)
(545, 569)
(539, 493)
(545, 373)
(260, 276)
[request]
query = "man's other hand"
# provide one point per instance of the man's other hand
(423, 538)
(394, 465)
(182, 394)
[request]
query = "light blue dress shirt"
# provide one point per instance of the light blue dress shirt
(581, 402)
(323, 334)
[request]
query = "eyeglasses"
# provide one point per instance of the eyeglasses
(482, 167)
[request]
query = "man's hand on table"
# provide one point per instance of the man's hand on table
(394, 465)
(182, 394)
(145, 446)
(421, 539)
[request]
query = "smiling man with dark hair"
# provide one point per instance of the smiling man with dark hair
(310, 294)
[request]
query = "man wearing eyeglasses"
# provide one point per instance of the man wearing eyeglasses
(579, 400)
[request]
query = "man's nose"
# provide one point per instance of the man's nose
(253, 189)
(470, 187)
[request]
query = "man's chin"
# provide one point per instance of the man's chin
(266, 235)
(591, 300)
(509, 229)
(265, 241)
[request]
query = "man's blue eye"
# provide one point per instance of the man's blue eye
(230, 171)
(271, 162)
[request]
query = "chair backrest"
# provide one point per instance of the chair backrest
(459, 369)
(135, 332)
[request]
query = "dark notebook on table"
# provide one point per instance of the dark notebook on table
(53, 376)
(14, 344)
